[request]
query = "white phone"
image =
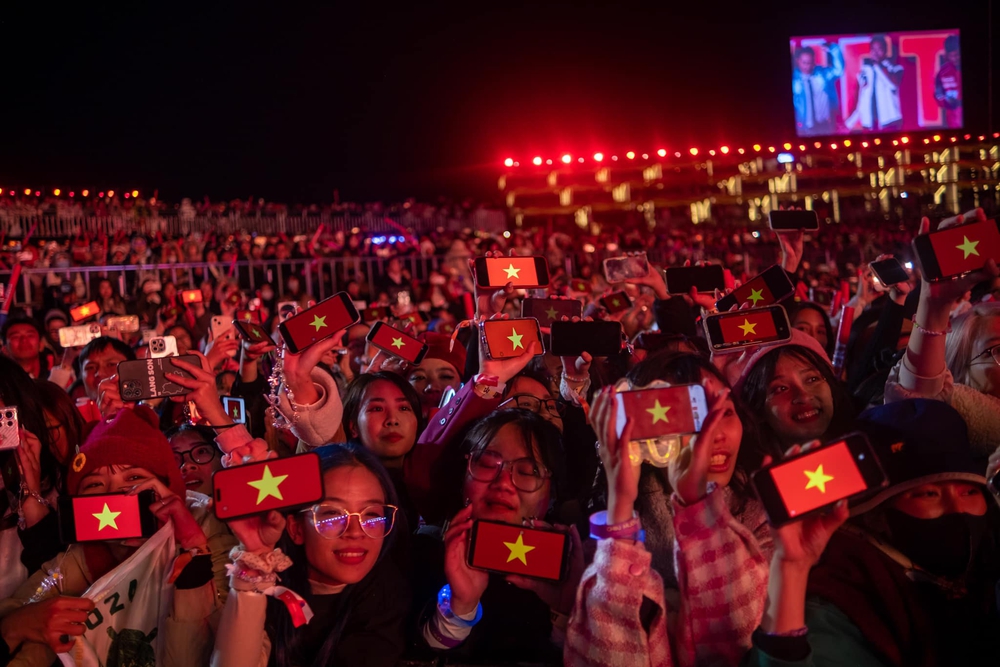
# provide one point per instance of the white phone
(162, 346)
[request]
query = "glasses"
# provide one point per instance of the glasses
(200, 455)
(553, 406)
(992, 351)
(525, 474)
(331, 522)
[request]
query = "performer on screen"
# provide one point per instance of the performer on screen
(878, 107)
(814, 90)
(948, 83)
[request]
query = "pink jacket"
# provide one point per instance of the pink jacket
(722, 573)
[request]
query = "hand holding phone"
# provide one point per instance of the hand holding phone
(142, 379)
(192, 296)
(397, 343)
(768, 288)
(109, 516)
(793, 220)
(516, 549)
(10, 437)
(957, 250)
(620, 269)
(255, 488)
(731, 332)
(319, 322)
(889, 271)
(80, 313)
(503, 339)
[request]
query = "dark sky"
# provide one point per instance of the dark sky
(290, 101)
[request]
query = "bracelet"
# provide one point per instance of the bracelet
(581, 380)
(269, 563)
(220, 427)
(600, 530)
(444, 608)
(38, 498)
(928, 332)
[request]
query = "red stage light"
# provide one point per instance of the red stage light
(662, 152)
(864, 144)
(630, 155)
(100, 195)
(724, 150)
(72, 194)
(905, 140)
(86, 193)
(694, 151)
(833, 147)
(968, 136)
(756, 147)
(537, 161)
(847, 143)
(27, 191)
(566, 159)
(38, 193)
(126, 195)
(788, 147)
(509, 162)
(57, 192)
(598, 157)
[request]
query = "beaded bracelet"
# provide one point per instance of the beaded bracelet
(929, 332)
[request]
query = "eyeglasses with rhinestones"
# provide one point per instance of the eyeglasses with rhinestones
(331, 521)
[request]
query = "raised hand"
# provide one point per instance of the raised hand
(489, 301)
(55, 622)
(202, 390)
(622, 471)
(258, 533)
(168, 506)
(467, 584)
(505, 369)
(689, 472)
(298, 368)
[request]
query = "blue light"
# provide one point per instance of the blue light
(785, 158)
(392, 239)
(904, 195)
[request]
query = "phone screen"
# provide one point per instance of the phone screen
(511, 338)
(547, 311)
(83, 312)
(235, 408)
(794, 219)
(113, 516)
(273, 484)
(616, 302)
(765, 289)
(617, 269)
(965, 248)
(818, 478)
(319, 322)
(600, 339)
(397, 343)
(191, 296)
(519, 271)
(747, 327)
(662, 411)
(889, 271)
(680, 279)
(515, 549)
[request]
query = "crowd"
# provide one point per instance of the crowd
(664, 565)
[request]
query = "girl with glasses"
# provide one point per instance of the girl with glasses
(197, 456)
(332, 555)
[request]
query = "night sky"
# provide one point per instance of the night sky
(289, 102)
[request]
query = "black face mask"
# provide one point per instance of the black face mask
(943, 546)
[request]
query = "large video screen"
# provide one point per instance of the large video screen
(876, 83)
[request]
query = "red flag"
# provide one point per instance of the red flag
(397, 343)
(321, 321)
(756, 292)
(616, 302)
(83, 312)
(966, 247)
(747, 325)
(662, 411)
(269, 485)
(511, 338)
(801, 291)
(819, 478)
(518, 550)
(520, 271)
(579, 285)
(107, 517)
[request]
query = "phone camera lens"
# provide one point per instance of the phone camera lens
(8, 414)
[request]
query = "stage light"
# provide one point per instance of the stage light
(877, 142)
(614, 158)
(904, 140)
(506, 234)
(937, 137)
(567, 159)
(756, 147)
(770, 149)
(27, 191)
(57, 192)
(802, 147)
(968, 136)
(1, 191)
(785, 158)
(694, 151)
(630, 155)
(85, 193)
(111, 193)
(677, 154)
(598, 157)
(548, 162)
(847, 143)
(954, 139)
(724, 150)
(818, 145)
(100, 195)
(711, 152)
(126, 195)
(788, 147)
(741, 151)
(645, 156)
(509, 162)
(38, 193)
(537, 161)
(72, 194)
(833, 147)
(926, 140)
(982, 138)
(662, 152)
(580, 160)
(864, 144)
(895, 143)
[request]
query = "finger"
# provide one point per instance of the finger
(524, 583)
(186, 382)
(198, 373)
(793, 450)
(159, 487)
(767, 461)
(925, 225)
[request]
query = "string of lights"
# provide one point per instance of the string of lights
(72, 194)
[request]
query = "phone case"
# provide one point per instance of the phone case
(293, 481)
(319, 322)
(111, 516)
(547, 311)
(515, 549)
(600, 339)
(254, 333)
(79, 336)
(9, 437)
(220, 327)
(124, 323)
(397, 343)
(142, 379)
(504, 339)
(731, 332)
(162, 346)
(617, 269)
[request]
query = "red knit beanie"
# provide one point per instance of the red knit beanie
(131, 438)
(439, 347)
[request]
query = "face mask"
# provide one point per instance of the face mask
(943, 546)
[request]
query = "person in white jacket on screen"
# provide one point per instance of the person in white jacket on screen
(878, 106)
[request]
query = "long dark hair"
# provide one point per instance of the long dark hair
(831, 335)
(760, 376)
(286, 642)
(18, 389)
(686, 368)
(355, 396)
(59, 404)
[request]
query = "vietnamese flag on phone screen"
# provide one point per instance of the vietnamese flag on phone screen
(656, 412)
(520, 271)
(747, 325)
(579, 285)
(756, 292)
(966, 248)
(274, 484)
(322, 320)
(518, 550)
(112, 517)
(817, 479)
(511, 338)
(397, 343)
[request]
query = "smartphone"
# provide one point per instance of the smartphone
(768, 288)
(78, 336)
(375, 313)
(793, 220)
(251, 316)
(397, 343)
(522, 272)
(123, 323)
(141, 379)
(889, 271)
(731, 332)
(286, 309)
(294, 481)
(660, 411)
(254, 333)
(616, 302)
(109, 516)
(236, 408)
(162, 346)
(191, 296)
(80, 313)
(504, 339)
(822, 295)
(9, 425)
(600, 339)
(547, 311)
(417, 317)
(220, 327)
(680, 279)
(580, 285)
(618, 269)
(516, 549)
(319, 322)
(813, 481)
(955, 251)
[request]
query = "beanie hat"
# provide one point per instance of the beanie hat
(439, 347)
(738, 371)
(131, 438)
(55, 314)
(918, 441)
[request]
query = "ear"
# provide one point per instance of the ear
(296, 529)
(354, 431)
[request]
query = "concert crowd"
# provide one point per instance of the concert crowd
(294, 495)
